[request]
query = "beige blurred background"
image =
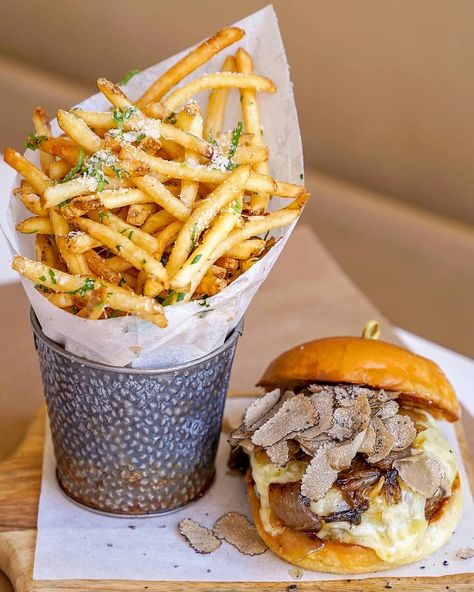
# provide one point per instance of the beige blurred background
(385, 92)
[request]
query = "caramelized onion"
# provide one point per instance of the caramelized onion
(359, 476)
(387, 462)
(353, 516)
(288, 504)
(391, 487)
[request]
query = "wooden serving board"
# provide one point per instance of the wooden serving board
(20, 476)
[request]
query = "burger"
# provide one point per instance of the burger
(348, 471)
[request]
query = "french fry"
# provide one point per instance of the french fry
(261, 224)
(138, 213)
(217, 80)
(140, 282)
(136, 235)
(203, 215)
(123, 197)
(62, 148)
(80, 205)
(251, 117)
(35, 225)
(42, 130)
(96, 304)
(210, 284)
(119, 264)
(176, 170)
(75, 263)
(30, 200)
(123, 246)
(228, 263)
(115, 95)
(221, 228)
(249, 248)
(162, 196)
(56, 194)
(217, 103)
(100, 268)
(32, 174)
(58, 169)
(76, 129)
(157, 221)
(60, 299)
(118, 298)
(247, 264)
(195, 58)
(166, 237)
(80, 242)
(44, 250)
(81, 186)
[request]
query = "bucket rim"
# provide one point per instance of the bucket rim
(59, 349)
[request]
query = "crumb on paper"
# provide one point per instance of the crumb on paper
(201, 539)
(296, 573)
(465, 553)
(237, 530)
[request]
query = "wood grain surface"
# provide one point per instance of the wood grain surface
(20, 476)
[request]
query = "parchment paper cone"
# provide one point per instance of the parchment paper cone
(190, 334)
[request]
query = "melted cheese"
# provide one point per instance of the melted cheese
(396, 531)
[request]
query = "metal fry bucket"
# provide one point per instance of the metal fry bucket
(134, 442)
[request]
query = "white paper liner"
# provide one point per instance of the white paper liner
(190, 333)
(73, 543)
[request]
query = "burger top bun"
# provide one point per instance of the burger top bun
(361, 361)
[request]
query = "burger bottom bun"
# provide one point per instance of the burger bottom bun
(300, 549)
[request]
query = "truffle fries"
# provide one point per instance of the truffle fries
(152, 203)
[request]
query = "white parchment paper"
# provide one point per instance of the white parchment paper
(73, 543)
(190, 333)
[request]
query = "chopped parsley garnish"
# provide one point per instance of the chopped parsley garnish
(121, 115)
(76, 169)
(169, 298)
(103, 215)
(42, 288)
(52, 275)
(128, 76)
(180, 296)
(196, 259)
(237, 132)
(114, 313)
(87, 286)
(204, 302)
(266, 235)
(130, 234)
(64, 203)
(141, 137)
(211, 139)
(33, 141)
(301, 176)
(119, 173)
(164, 260)
(193, 236)
(118, 247)
(122, 282)
(237, 206)
(42, 278)
(171, 118)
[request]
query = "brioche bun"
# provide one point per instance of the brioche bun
(298, 548)
(369, 362)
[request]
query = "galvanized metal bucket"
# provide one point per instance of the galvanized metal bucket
(134, 442)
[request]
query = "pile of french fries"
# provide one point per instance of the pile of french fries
(152, 203)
